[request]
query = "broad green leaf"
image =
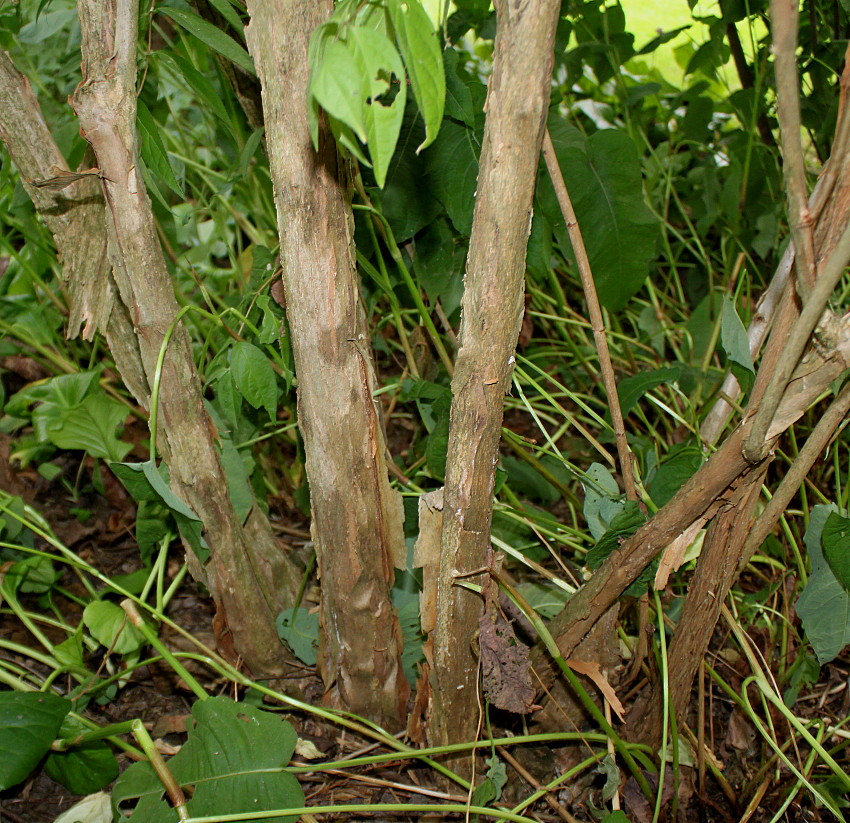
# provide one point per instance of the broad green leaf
(109, 625)
(604, 178)
(452, 163)
(458, 96)
(824, 605)
(661, 39)
(546, 599)
(254, 377)
(91, 426)
(436, 448)
(624, 525)
(207, 33)
(29, 722)
(353, 83)
(45, 26)
(153, 149)
(602, 499)
(406, 201)
(299, 629)
(262, 268)
(420, 48)
(671, 475)
(524, 480)
(733, 336)
(66, 391)
(83, 769)
(835, 541)
(69, 653)
(271, 324)
(134, 480)
(233, 759)
(631, 389)
(439, 264)
(616, 816)
(32, 575)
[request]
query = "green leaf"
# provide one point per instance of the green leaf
(96, 808)
(623, 526)
(299, 629)
(616, 816)
(672, 474)
(146, 483)
(69, 653)
(351, 82)
(407, 607)
(29, 722)
(33, 575)
(604, 177)
(458, 96)
(155, 478)
(602, 499)
(83, 769)
(249, 150)
(205, 90)
(661, 39)
(526, 481)
(254, 377)
(153, 149)
(91, 426)
(835, 541)
(631, 389)
(110, 626)
(238, 481)
(546, 599)
(452, 163)
(419, 45)
(216, 39)
(227, 11)
(824, 605)
(733, 336)
(233, 759)
(437, 445)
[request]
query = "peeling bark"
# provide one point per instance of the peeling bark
(517, 101)
(357, 518)
(74, 216)
(248, 574)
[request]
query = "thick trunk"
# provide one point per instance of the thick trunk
(250, 577)
(517, 102)
(357, 517)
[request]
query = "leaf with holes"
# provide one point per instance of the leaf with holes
(233, 758)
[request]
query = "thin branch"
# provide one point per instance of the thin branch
(784, 18)
(833, 269)
(813, 447)
(597, 322)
